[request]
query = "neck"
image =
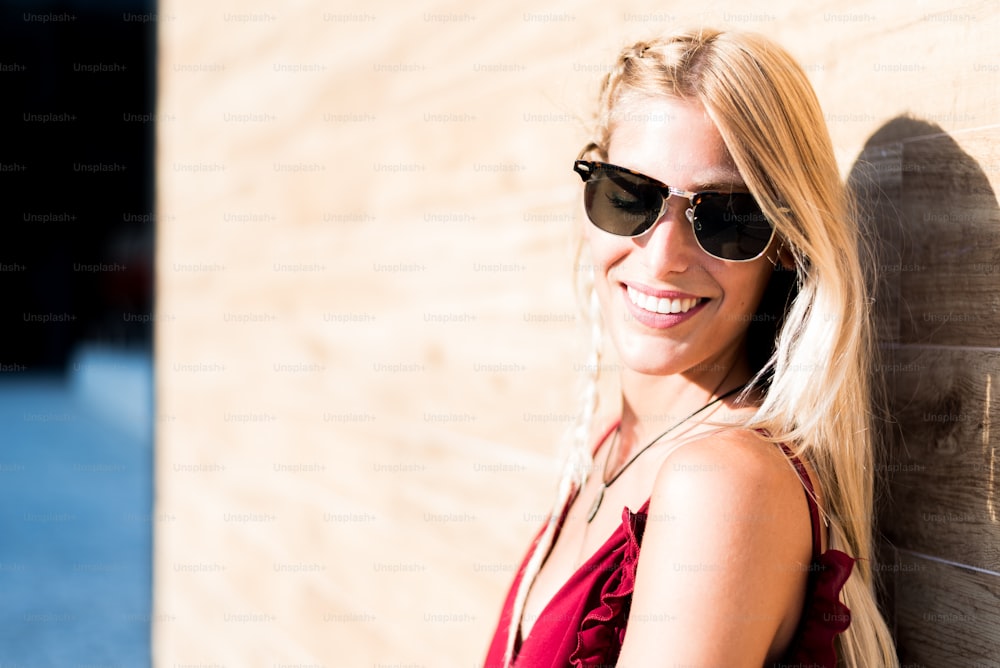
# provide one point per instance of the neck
(653, 404)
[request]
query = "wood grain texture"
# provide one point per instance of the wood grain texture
(947, 616)
(928, 205)
(943, 475)
(929, 210)
(950, 211)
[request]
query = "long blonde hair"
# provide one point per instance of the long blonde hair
(818, 375)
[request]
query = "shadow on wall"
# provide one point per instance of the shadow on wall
(932, 217)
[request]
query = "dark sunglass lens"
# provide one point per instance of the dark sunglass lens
(731, 226)
(621, 203)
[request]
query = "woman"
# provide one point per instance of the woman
(726, 517)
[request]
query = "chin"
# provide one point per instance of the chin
(652, 358)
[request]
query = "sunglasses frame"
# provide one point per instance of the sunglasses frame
(588, 168)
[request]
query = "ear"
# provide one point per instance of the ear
(783, 257)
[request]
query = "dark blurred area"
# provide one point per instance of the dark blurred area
(76, 276)
(76, 168)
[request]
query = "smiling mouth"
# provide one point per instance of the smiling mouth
(661, 304)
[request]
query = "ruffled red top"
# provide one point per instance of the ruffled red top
(585, 622)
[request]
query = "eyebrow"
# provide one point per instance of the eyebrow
(719, 180)
(723, 180)
(724, 186)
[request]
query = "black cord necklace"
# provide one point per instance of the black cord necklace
(605, 483)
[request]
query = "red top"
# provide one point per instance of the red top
(584, 623)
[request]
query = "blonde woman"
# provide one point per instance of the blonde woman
(725, 518)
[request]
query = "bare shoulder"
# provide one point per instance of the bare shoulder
(742, 486)
(733, 465)
(725, 554)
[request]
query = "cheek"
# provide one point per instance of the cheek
(750, 286)
(605, 250)
(591, 244)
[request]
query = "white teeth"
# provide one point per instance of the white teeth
(660, 305)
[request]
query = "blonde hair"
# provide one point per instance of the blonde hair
(818, 375)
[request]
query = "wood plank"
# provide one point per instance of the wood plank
(928, 207)
(886, 569)
(943, 471)
(947, 616)
(875, 47)
(950, 212)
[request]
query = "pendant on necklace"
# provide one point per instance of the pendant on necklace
(597, 503)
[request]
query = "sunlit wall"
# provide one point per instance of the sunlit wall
(367, 343)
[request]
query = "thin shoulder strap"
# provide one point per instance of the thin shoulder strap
(810, 498)
(604, 436)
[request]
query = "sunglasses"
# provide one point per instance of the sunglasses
(728, 226)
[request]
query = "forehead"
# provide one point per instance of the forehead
(674, 141)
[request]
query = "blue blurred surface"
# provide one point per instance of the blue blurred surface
(75, 513)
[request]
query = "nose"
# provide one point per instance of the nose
(669, 246)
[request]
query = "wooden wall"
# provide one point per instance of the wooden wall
(936, 222)
(366, 338)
